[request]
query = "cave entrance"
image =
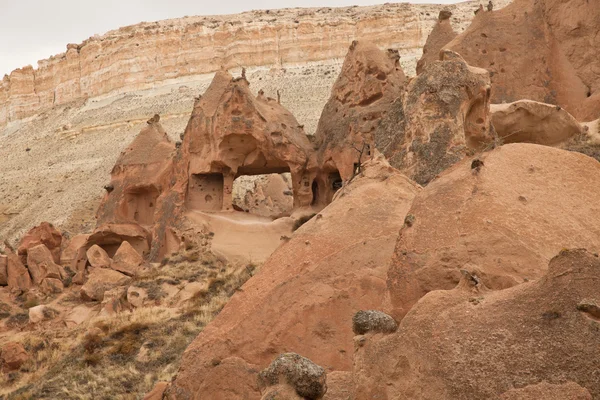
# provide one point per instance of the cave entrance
(334, 183)
(205, 192)
(266, 195)
(315, 193)
(140, 204)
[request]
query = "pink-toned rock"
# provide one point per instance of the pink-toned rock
(136, 296)
(52, 285)
(18, 278)
(127, 260)
(3, 270)
(157, 392)
(114, 302)
(99, 281)
(41, 313)
(74, 252)
(44, 234)
(98, 258)
(13, 356)
(41, 265)
(78, 315)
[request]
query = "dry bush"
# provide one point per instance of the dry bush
(124, 355)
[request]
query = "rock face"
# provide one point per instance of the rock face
(545, 390)
(441, 34)
(197, 45)
(535, 52)
(472, 343)
(532, 122)
(369, 82)
(269, 195)
(304, 376)
(345, 251)
(503, 216)
(444, 114)
(41, 265)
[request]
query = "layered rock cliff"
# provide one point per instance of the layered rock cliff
(143, 55)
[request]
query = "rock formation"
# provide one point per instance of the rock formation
(443, 115)
(441, 34)
(305, 378)
(344, 252)
(369, 82)
(505, 214)
(473, 343)
(532, 122)
(533, 52)
(191, 46)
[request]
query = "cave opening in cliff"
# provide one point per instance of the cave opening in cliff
(205, 192)
(140, 203)
(266, 195)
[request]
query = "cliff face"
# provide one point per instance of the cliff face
(143, 55)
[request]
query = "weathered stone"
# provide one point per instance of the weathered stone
(371, 321)
(18, 278)
(98, 258)
(127, 260)
(307, 378)
(52, 285)
(157, 392)
(13, 356)
(41, 265)
(3, 270)
(44, 234)
(78, 315)
(41, 313)
(136, 296)
(99, 281)
(74, 252)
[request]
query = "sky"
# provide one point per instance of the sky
(31, 30)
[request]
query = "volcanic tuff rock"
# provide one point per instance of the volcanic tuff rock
(345, 251)
(306, 378)
(504, 214)
(542, 50)
(441, 34)
(472, 343)
(532, 122)
(443, 115)
(197, 45)
(75, 144)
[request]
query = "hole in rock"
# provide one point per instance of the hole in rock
(266, 195)
(139, 204)
(205, 192)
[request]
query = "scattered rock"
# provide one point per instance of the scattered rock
(45, 234)
(13, 356)
(307, 378)
(99, 281)
(98, 258)
(41, 265)
(373, 322)
(127, 260)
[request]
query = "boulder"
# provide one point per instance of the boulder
(114, 301)
(52, 285)
(373, 321)
(127, 260)
(73, 254)
(136, 296)
(40, 313)
(533, 122)
(99, 281)
(504, 214)
(78, 315)
(97, 257)
(306, 293)
(45, 234)
(3, 270)
(13, 356)
(304, 376)
(41, 265)
(473, 343)
(18, 278)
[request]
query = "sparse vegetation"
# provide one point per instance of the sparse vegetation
(301, 221)
(124, 355)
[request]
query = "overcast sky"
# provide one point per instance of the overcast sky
(31, 30)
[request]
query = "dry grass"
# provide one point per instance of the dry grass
(123, 356)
